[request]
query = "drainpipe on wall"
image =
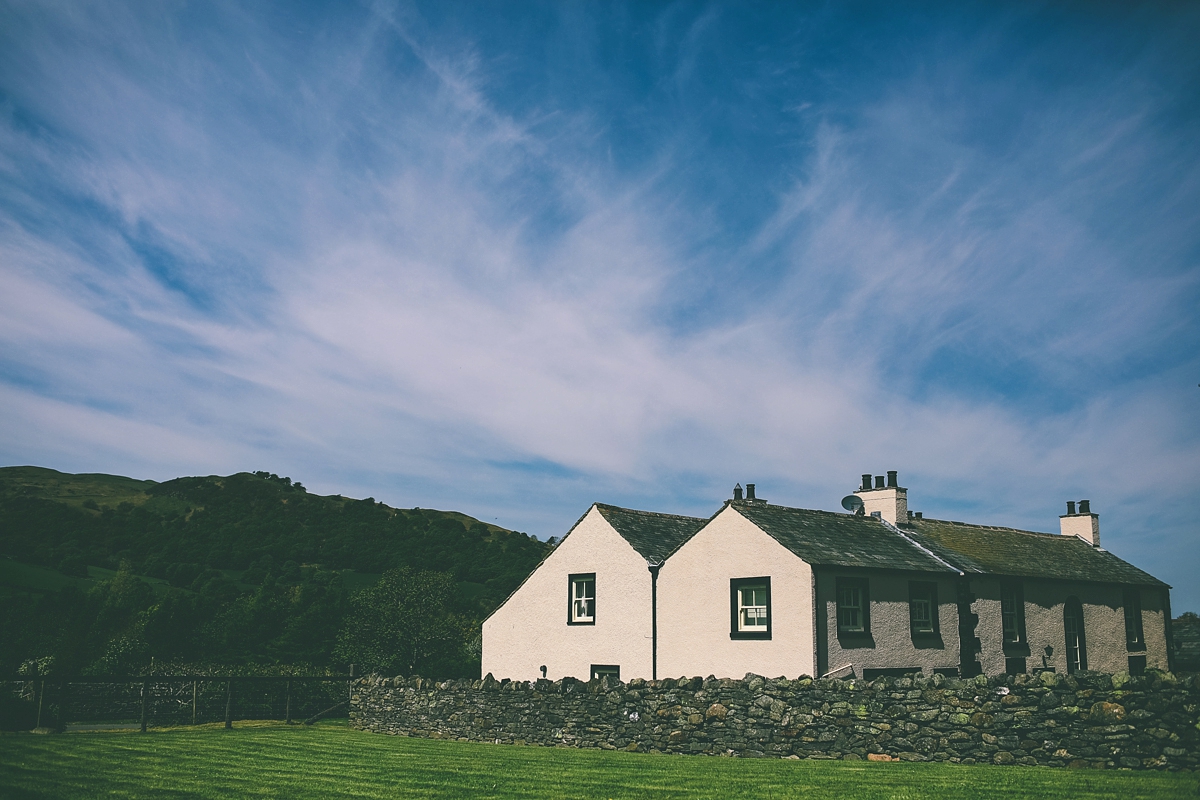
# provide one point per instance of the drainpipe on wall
(654, 568)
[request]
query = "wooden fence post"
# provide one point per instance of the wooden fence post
(287, 711)
(145, 698)
(193, 702)
(41, 699)
(229, 704)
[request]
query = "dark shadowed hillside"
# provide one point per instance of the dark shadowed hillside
(257, 569)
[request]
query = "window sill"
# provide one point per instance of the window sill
(760, 635)
(1016, 649)
(928, 641)
(855, 640)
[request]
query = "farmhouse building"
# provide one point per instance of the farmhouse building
(775, 590)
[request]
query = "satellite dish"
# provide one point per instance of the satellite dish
(852, 503)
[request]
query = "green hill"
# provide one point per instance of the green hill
(245, 568)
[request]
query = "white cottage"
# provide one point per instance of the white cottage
(786, 591)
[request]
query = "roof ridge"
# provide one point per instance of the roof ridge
(648, 513)
(993, 527)
(748, 504)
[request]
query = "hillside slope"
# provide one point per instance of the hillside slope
(259, 569)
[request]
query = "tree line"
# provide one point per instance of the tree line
(256, 572)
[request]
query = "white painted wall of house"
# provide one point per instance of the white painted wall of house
(530, 629)
(693, 605)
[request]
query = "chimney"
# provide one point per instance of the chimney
(750, 491)
(889, 502)
(737, 492)
(1083, 524)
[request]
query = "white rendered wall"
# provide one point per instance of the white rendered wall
(693, 605)
(531, 628)
(891, 503)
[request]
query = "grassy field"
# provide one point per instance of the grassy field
(271, 760)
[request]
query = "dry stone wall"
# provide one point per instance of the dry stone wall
(1085, 720)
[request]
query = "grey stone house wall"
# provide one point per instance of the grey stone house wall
(890, 644)
(1087, 720)
(1104, 624)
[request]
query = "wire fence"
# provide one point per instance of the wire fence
(161, 700)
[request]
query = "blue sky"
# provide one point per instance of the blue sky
(512, 259)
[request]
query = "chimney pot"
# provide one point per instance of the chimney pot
(1070, 507)
(1085, 506)
(892, 479)
(920, 515)
(737, 492)
(866, 487)
(878, 481)
(749, 491)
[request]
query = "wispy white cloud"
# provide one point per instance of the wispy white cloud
(352, 256)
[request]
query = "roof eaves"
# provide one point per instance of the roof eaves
(539, 564)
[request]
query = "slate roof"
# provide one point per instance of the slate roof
(653, 535)
(838, 540)
(982, 549)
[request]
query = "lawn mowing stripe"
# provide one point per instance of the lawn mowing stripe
(319, 762)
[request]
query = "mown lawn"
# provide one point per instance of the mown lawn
(271, 760)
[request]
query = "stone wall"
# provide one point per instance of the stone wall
(1087, 720)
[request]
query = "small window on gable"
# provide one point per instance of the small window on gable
(923, 608)
(581, 599)
(1134, 637)
(750, 608)
(853, 606)
(1012, 612)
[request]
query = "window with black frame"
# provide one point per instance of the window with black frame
(922, 609)
(1135, 638)
(750, 608)
(1012, 613)
(853, 607)
(1073, 630)
(581, 599)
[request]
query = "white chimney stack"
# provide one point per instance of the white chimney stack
(1082, 523)
(890, 500)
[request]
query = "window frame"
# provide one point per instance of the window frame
(863, 586)
(1017, 592)
(1135, 634)
(735, 607)
(572, 579)
(598, 671)
(926, 591)
(1073, 610)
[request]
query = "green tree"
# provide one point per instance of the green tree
(403, 626)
